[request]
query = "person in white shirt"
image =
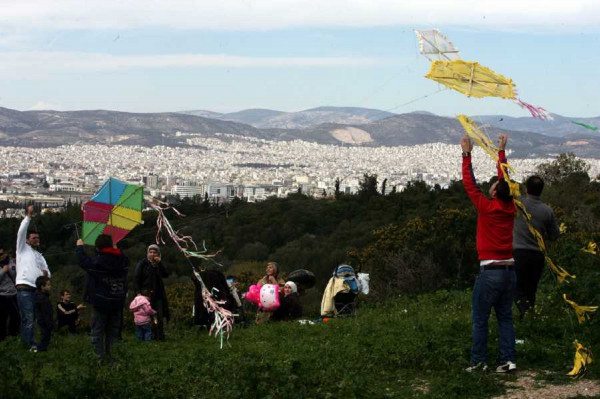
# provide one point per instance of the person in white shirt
(30, 265)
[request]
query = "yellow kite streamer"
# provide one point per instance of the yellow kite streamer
(583, 357)
(582, 312)
(479, 136)
(562, 228)
(591, 248)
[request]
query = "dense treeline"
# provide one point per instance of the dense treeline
(416, 240)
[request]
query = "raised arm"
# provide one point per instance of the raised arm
(502, 139)
(84, 261)
(468, 177)
(22, 233)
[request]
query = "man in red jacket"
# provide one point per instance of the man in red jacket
(495, 285)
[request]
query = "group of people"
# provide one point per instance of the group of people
(289, 305)
(511, 262)
(25, 288)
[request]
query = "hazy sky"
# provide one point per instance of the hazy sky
(290, 55)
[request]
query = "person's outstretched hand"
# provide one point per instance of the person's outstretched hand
(466, 144)
(502, 139)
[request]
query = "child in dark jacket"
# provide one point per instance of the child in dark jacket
(105, 290)
(142, 316)
(44, 312)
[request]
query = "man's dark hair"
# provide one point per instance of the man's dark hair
(41, 281)
(503, 190)
(63, 292)
(104, 241)
(535, 185)
(30, 232)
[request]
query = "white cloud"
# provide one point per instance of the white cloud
(275, 14)
(38, 63)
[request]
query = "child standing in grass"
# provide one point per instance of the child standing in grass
(44, 312)
(142, 312)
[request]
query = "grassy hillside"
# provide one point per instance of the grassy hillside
(408, 348)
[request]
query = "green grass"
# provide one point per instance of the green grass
(410, 348)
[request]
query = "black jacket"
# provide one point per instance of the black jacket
(66, 314)
(289, 309)
(44, 312)
(106, 277)
(149, 277)
(217, 284)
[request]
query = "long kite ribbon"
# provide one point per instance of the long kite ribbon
(224, 319)
(582, 312)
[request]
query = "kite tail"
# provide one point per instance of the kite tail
(583, 357)
(185, 243)
(536, 112)
(224, 319)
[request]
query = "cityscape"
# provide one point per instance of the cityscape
(227, 166)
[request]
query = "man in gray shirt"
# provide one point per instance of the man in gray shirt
(529, 259)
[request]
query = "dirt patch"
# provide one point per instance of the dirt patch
(527, 387)
(352, 135)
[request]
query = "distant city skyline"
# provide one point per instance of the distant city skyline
(291, 55)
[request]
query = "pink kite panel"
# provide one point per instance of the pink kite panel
(96, 212)
(116, 233)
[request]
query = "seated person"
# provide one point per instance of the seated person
(289, 308)
(68, 313)
(271, 277)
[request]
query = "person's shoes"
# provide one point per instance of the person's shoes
(481, 366)
(33, 349)
(506, 367)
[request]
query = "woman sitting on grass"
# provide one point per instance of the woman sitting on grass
(290, 307)
(271, 277)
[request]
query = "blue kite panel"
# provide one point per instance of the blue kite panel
(110, 192)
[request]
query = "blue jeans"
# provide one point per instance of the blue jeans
(143, 332)
(26, 301)
(493, 289)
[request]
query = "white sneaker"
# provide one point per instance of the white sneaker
(481, 366)
(506, 367)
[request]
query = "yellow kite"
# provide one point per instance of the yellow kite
(474, 80)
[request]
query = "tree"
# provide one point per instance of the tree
(337, 188)
(383, 186)
(368, 186)
(563, 166)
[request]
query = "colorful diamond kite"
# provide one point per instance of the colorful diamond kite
(115, 210)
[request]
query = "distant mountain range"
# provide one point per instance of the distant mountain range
(325, 125)
(266, 118)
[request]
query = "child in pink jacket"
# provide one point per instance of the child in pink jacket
(142, 312)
